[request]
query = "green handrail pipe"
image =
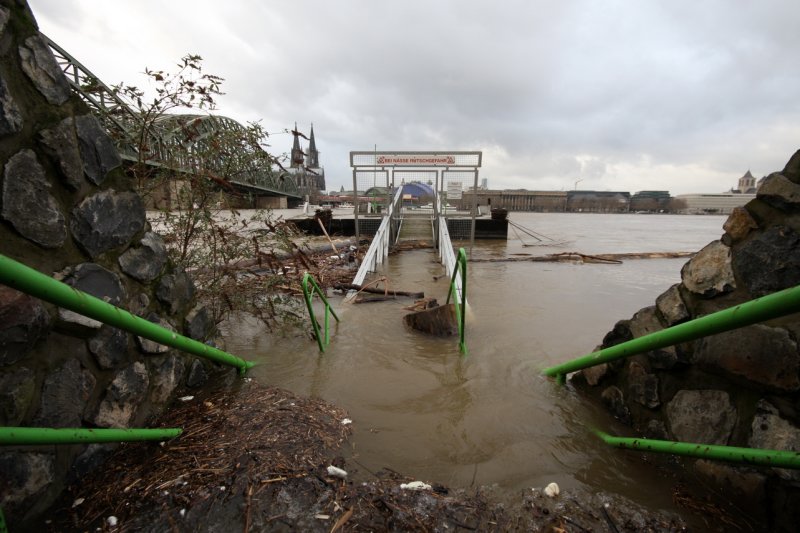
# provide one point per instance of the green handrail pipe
(308, 294)
(27, 280)
(15, 436)
(733, 454)
(773, 305)
(460, 307)
(3, 525)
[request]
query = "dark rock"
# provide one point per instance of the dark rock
(28, 204)
(767, 356)
(645, 322)
(25, 474)
(197, 374)
(198, 324)
(167, 376)
(642, 386)
(146, 261)
(41, 67)
(772, 432)
(614, 401)
(153, 347)
(709, 272)
(701, 416)
(792, 168)
(734, 481)
(23, 321)
(16, 395)
(5, 14)
(670, 305)
(779, 192)
(175, 290)
(107, 220)
(621, 333)
(10, 117)
(93, 279)
(769, 261)
(594, 374)
(61, 143)
(739, 224)
(97, 151)
(110, 347)
(138, 304)
(65, 394)
(655, 429)
(89, 460)
(123, 397)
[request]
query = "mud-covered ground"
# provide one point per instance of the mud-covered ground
(258, 459)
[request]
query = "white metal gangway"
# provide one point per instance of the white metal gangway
(389, 231)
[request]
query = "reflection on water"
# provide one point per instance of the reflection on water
(421, 408)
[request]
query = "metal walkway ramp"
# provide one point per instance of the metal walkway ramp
(416, 226)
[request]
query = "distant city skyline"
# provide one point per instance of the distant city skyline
(679, 96)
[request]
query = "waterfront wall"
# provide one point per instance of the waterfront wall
(68, 210)
(740, 388)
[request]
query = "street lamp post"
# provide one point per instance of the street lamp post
(577, 181)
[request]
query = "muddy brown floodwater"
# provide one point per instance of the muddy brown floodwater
(421, 408)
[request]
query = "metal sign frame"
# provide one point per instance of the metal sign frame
(401, 161)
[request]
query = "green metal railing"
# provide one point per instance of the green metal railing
(774, 305)
(308, 293)
(461, 307)
(750, 456)
(768, 307)
(15, 436)
(28, 280)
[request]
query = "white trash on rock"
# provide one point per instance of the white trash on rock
(336, 472)
(552, 490)
(415, 485)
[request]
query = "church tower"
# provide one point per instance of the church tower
(312, 159)
(297, 152)
(747, 183)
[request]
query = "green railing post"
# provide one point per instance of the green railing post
(461, 307)
(773, 305)
(17, 436)
(734, 454)
(3, 525)
(308, 294)
(27, 280)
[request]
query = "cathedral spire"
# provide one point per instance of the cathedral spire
(297, 152)
(313, 154)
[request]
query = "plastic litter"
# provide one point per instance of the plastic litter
(415, 485)
(552, 490)
(336, 472)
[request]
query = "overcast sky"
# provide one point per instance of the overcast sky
(678, 95)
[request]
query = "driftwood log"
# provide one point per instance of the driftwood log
(375, 290)
(585, 258)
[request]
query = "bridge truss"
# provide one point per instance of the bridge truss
(174, 140)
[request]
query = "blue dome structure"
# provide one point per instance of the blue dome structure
(418, 189)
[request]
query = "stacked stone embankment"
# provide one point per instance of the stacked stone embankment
(740, 388)
(68, 210)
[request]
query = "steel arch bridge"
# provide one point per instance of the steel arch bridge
(166, 141)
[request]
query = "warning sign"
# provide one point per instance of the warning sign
(454, 190)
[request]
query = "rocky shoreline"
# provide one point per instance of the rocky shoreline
(739, 388)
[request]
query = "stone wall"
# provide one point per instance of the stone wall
(67, 210)
(740, 388)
